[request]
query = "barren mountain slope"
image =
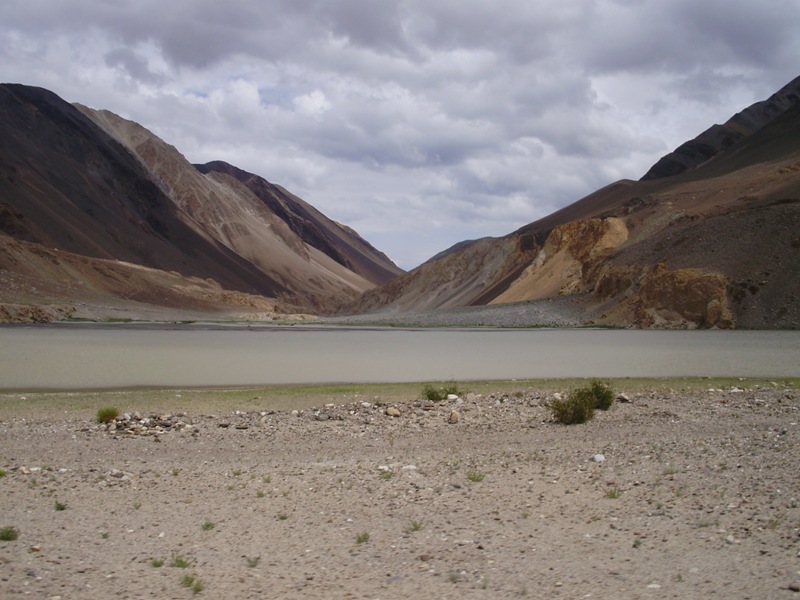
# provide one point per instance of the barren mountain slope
(338, 241)
(693, 153)
(223, 208)
(65, 183)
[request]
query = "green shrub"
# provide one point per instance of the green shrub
(107, 414)
(438, 394)
(8, 534)
(578, 408)
(603, 395)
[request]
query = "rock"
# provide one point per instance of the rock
(794, 587)
(454, 417)
(322, 417)
(598, 458)
(452, 396)
(624, 398)
(392, 411)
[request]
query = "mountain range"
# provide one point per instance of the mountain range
(709, 237)
(98, 213)
(101, 219)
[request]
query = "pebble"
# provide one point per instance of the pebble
(454, 417)
(392, 411)
(598, 458)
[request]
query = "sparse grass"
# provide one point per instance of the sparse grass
(671, 470)
(260, 494)
(388, 474)
(175, 471)
(613, 492)
(137, 505)
(475, 476)
(104, 535)
(267, 479)
(107, 414)
(2, 472)
(417, 526)
(282, 516)
(8, 534)
(236, 473)
(637, 542)
(60, 506)
(362, 538)
(702, 523)
(193, 583)
(208, 525)
(179, 562)
(252, 562)
(157, 563)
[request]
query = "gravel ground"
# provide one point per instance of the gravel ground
(696, 495)
(559, 311)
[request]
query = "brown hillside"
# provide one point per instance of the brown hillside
(714, 246)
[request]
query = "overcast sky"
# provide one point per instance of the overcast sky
(419, 123)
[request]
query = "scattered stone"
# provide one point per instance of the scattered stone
(392, 411)
(598, 458)
(454, 417)
(452, 396)
(322, 417)
(794, 587)
(624, 398)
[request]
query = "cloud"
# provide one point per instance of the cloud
(418, 123)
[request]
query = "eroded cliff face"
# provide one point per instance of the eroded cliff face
(568, 255)
(577, 259)
(661, 297)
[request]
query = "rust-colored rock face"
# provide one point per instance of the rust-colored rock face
(690, 297)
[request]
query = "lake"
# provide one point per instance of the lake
(95, 356)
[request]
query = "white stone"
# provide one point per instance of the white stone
(598, 458)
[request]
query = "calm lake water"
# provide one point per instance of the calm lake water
(89, 356)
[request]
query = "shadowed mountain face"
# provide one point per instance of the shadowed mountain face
(715, 245)
(90, 184)
(695, 152)
(66, 184)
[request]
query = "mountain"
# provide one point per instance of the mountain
(705, 239)
(94, 187)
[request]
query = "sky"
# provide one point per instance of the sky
(419, 123)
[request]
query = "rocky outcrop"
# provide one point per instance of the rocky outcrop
(568, 255)
(665, 298)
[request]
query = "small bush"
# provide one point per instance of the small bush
(475, 476)
(579, 407)
(60, 506)
(362, 538)
(107, 414)
(603, 395)
(438, 394)
(8, 534)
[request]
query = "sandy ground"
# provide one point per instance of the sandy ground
(698, 496)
